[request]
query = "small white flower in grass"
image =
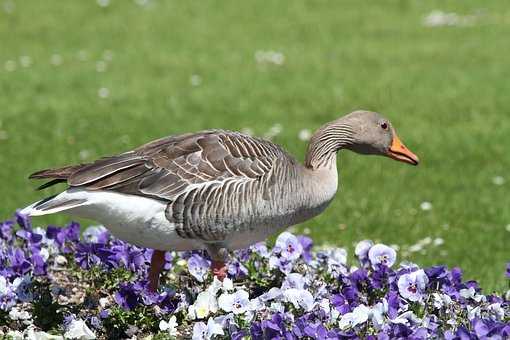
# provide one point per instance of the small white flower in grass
(201, 331)
(195, 80)
(359, 315)
(100, 66)
(142, 3)
(426, 206)
(108, 55)
(236, 303)
(10, 65)
(507, 227)
(103, 92)
(82, 55)
(382, 254)
(56, 60)
(274, 131)
(78, 329)
(25, 61)
(498, 180)
(103, 3)
(305, 135)
(9, 6)
(269, 57)
(438, 241)
(170, 327)
(415, 248)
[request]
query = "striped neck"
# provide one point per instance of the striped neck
(325, 143)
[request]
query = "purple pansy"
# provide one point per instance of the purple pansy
(361, 250)
(381, 254)
(412, 286)
(315, 295)
(288, 246)
(198, 266)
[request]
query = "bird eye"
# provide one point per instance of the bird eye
(384, 125)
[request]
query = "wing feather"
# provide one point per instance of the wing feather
(173, 165)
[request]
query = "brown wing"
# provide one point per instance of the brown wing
(169, 166)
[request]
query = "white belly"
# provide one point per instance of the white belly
(135, 219)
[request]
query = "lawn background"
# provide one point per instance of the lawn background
(174, 67)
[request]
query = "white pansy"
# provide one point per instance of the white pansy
(103, 302)
(201, 331)
(359, 315)
(496, 310)
(227, 284)
(45, 254)
(277, 307)
(204, 305)
(31, 334)
(406, 318)
(92, 233)
(470, 293)
(473, 312)
(378, 312)
(60, 260)
(3, 286)
(236, 303)
(362, 248)
(300, 298)
(15, 335)
(169, 326)
(23, 288)
(78, 329)
(17, 314)
(440, 300)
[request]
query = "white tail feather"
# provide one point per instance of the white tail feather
(51, 205)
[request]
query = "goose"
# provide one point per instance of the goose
(214, 190)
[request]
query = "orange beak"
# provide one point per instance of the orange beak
(399, 152)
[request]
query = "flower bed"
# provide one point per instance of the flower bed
(54, 282)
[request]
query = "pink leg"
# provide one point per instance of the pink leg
(157, 263)
(219, 269)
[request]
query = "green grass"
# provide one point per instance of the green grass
(444, 88)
